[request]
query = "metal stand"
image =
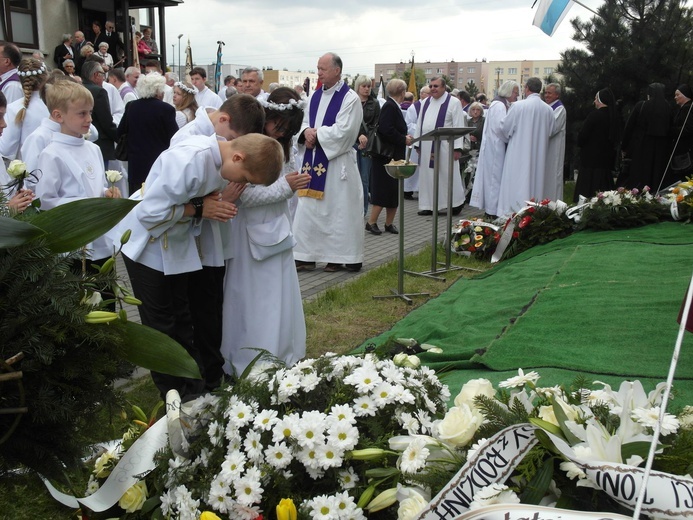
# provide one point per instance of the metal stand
(399, 292)
(437, 135)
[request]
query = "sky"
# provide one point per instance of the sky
(293, 35)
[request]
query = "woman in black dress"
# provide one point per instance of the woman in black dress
(598, 139)
(646, 140)
(681, 165)
(392, 129)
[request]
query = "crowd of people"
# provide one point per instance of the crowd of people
(243, 188)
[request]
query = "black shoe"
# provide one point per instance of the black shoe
(304, 266)
(425, 212)
(457, 209)
(373, 228)
(353, 267)
(409, 195)
(390, 228)
(442, 212)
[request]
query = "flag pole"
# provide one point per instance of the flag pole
(588, 8)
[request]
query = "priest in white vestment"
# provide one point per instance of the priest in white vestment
(526, 128)
(492, 152)
(328, 225)
(440, 110)
(556, 154)
(411, 184)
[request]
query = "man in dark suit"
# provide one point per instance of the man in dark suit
(64, 51)
(115, 46)
(92, 78)
(78, 42)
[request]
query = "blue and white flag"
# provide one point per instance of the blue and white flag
(550, 14)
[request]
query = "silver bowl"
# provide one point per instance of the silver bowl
(400, 172)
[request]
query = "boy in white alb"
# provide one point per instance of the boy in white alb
(72, 168)
(162, 250)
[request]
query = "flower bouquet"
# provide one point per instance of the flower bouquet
(475, 237)
(538, 223)
(622, 208)
(680, 199)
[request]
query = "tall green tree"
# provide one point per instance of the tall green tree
(420, 78)
(630, 44)
(471, 88)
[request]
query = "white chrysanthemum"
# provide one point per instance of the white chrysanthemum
(309, 381)
(220, 496)
(253, 446)
(265, 419)
(328, 456)
(215, 433)
(408, 422)
(285, 428)
(233, 465)
(310, 429)
(341, 413)
(92, 485)
(232, 434)
(520, 380)
(203, 458)
(648, 417)
(364, 378)
(345, 505)
(343, 436)
(493, 494)
(402, 395)
(364, 406)
(248, 488)
(288, 386)
(308, 457)
(414, 456)
(278, 455)
(392, 374)
(323, 507)
(240, 414)
(382, 394)
(184, 503)
(348, 478)
(475, 447)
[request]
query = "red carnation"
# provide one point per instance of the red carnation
(525, 221)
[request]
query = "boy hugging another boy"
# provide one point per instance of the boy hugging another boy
(163, 248)
(72, 168)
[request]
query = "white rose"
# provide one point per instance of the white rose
(411, 503)
(459, 425)
(113, 176)
(133, 499)
(547, 414)
(16, 169)
(105, 463)
(471, 389)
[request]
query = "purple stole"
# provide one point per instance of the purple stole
(417, 107)
(13, 77)
(315, 161)
(556, 105)
(440, 120)
(127, 89)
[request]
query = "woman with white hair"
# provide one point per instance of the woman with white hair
(492, 153)
(149, 123)
(107, 58)
(371, 113)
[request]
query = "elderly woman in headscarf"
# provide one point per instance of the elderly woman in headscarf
(681, 165)
(598, 141)
(646, 144)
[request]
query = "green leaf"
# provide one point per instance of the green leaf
(549, 427)
(562, 419)
(75, 224)
(635, 448)
(14, 233)
(154, 350)
(545, 441)
(539, 485)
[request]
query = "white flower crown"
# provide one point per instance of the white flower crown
(284, 106)
(185, 88)
(41, 70)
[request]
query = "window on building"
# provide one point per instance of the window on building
(390, 72)
(512, 70)
(471, 70)
(500, 70)
(440, 71)
(461, 70)
(428, 71)
(536, 70)
(548, 70)
(18, 22)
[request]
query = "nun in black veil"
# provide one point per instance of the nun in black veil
(598, 140)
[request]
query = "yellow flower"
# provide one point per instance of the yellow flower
(208, 515)
(133, 499)
(286, 510)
